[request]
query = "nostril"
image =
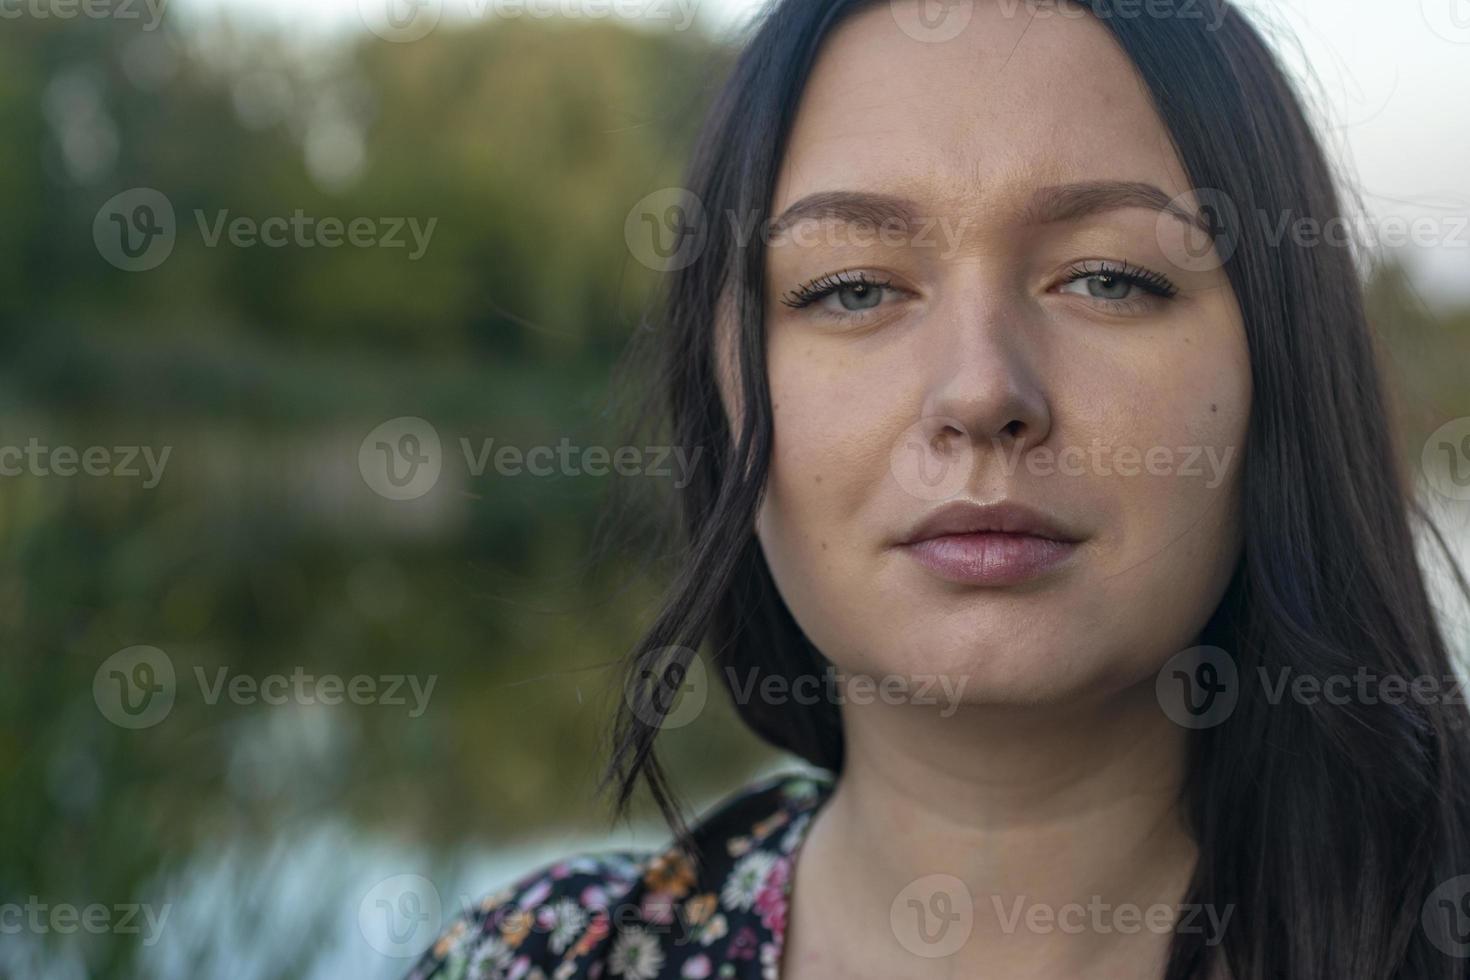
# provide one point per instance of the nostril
(1014, 428)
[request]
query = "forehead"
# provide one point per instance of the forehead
(1021, 97)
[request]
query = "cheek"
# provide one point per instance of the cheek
(1173, 496)
(832, 435)
(1184, 415)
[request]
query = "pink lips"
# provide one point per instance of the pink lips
(990, 545)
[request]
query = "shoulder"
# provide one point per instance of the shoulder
(642, 914)
(541, 917)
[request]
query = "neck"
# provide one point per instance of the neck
(1056, 821)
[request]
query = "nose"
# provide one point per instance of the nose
(983, 385)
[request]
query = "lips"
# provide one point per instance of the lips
(990, 545)
(962, 517)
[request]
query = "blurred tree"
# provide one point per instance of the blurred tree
(262, 369)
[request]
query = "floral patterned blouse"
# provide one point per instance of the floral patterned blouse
(628, 915)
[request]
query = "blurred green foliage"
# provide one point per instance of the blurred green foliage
(261, 550)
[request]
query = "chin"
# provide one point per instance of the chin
(1004, 660)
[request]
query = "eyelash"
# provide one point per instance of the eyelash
(824, 286)
(1153, 283)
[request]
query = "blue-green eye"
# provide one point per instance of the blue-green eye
(855, 292)
(1105, 286)
(859, 296)
(1116, 284)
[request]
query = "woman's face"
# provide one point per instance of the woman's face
(1041, 330)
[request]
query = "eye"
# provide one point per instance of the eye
(1117, 284)
(1105, 285)
(853, 292)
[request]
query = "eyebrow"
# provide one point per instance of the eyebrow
(1048, 205)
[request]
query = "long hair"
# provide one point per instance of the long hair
(1324, 826)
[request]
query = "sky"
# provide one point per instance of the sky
(1389, 82)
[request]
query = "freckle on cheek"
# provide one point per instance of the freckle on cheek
(1212, 407)
(819, 478)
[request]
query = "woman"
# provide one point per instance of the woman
(1023, 405)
